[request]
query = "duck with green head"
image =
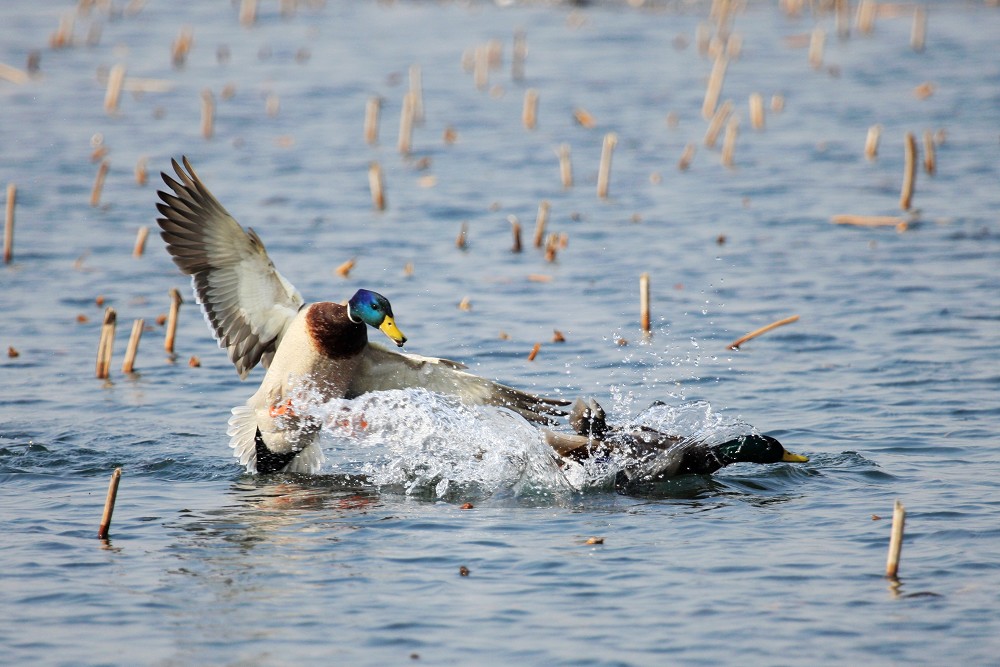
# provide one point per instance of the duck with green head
(259, 317)
(658, 456)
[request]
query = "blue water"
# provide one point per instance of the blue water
(889, 381)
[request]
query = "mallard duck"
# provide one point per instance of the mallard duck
(656, 455)
(323, 347)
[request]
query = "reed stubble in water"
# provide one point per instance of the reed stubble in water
(8, 225)
(895, 540)
(909, 172)
(128, 365)
(735, 345)
(604, 169)
(376, 184)
(95, 193)
(644, 303)
(109, 505)
(175, 306)
(106, 345)
(373, 109)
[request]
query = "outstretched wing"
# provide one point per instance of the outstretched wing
(382, 369)
(247, 303)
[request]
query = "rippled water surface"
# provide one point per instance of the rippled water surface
(889, 381)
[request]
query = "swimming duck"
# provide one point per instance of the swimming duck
(322, 347)
(658, 456)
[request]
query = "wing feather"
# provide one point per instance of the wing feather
(383, 369)
(248, 305)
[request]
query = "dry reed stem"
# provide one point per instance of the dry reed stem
(116, 77)
(729, 141)
(515, 230)
(376, 184)
(13, 74)
(372, 110)
(565, 166)
(686, 157)
(140, 241)
(529, 113)
(644, 302)
(895, 540)
(109, 505)
(207, 113)
(735, 345)
(714, 88)
(870, 221)
(558, 336)
(8, 225)
(175, 306)
(604, 169)
(106, 344)
(140, 170)
(462, 239)
(465, 304)
(756, 104)
(534, 351)
(63, 36)
(181, 47)
(842, 18)
(918, 34)
(406, 125)
(95, 193)
(871, 142)
(519, 54)
(133, 346)
(716, 124)
(248, 12)
(909, 172)
(816, 41)
(865, 18)
(930, 158)
(540, 221)
(344, 270)
(417, 91)
(551, 247)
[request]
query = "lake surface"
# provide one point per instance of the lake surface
(889, 381)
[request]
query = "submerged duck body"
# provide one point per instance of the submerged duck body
(657, 456)
(258, 316)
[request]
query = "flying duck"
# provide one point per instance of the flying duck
(257, 316)
(656, 455)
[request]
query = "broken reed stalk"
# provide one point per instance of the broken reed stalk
(95, 193)
(718, 121)
(918, 34)
(930, 159)
(866, 16)
(140, 241)
(686, 157)
(515, 230)
(181, 47)
(565, 166)
(106, 344)
(248, 12)
(644, 302)
(406, 125)
(871, 142)
(870, 221)
(756, 111)
(551, 247)
(540, 221)
(8, 225)
(735, 345)
(909, 172)
(529, 113)
(417, 91)
(519, 54)
(372, 110)
(376, 184)
(462, 239)
(113, 93)
(729, 141)
(207, 113)
(714, 88)
(140, 170)
(816, 41)
(13, 74)
(895, 540)
(133, 346)
(109, 505)
(604, 169)
(175, 306)
(534, 351)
